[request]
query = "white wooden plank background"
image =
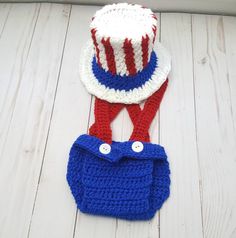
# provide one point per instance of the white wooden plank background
(215, 124)
(44, 108)
(182, 213)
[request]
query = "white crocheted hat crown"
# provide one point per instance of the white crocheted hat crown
(120, 47)
(119, 64)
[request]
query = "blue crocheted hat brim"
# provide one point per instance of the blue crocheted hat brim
(126, 83)
(123, 184)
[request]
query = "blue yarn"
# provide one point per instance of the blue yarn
(126, 83)
(123, 184)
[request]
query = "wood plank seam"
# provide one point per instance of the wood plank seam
(229, 82)
(178, 133)
(217, 138)
(196, 136)
(30, 45)
(5, 21)
(45, 147)
(18, 83)
(88, 125)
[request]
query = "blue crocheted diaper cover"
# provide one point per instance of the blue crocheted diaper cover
(128, 180)
(123, 183)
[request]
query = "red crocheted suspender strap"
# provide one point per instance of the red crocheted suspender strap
(146, 116)
(105, 113)
(114, 110)
(134, 111)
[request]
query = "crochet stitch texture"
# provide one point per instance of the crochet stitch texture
(121, 184)
(121, 67)
(126, 182)
(126, 83)
(122, 47)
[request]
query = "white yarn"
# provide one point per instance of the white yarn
(119, 22)
(102, 55)
(111, 21)
(138, 56)
(121, 96)
(119, 59)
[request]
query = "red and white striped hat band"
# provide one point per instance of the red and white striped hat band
(120, 47)
(122, 44)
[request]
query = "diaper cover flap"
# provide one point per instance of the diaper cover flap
(123, 183)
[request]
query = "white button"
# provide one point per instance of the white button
(137, 146)
(105, 148)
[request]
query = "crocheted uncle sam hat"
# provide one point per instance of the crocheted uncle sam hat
(121, 64)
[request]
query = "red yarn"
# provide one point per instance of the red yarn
(105, 112)
(134, 111)
(129, 57)
(110, 57)
(144, 45)
(102, 120)
(145, 118)
(154, 29)
(113, 112)
(154, 16)
(93, 32)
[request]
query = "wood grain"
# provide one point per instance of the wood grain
(14, 47)
(181, 215)
(215, 124)
(29, 102)
(44, 108)
(4, 13)
(229, 32)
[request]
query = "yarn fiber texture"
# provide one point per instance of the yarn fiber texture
(122, 49)
(122, 184)
(131, 95)
(128, 180)
(126, 83)
(123, 35)
(121, 66)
